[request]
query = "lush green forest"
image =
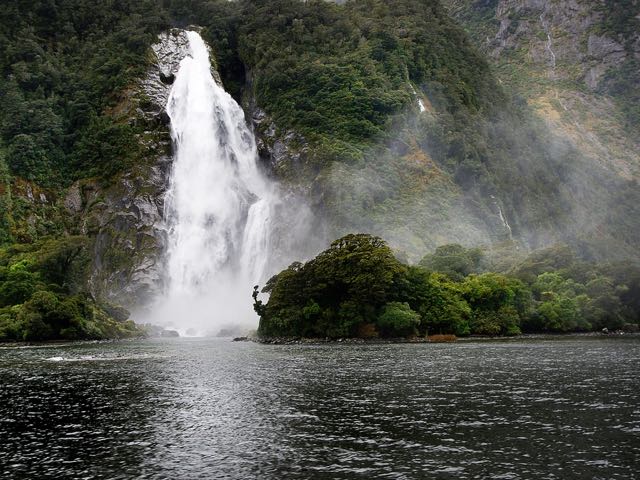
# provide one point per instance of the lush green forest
(343, 77)
(358, 288)
(43, 297)
(336, 74)
(63, 65)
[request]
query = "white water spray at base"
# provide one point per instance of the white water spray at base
(219, 206)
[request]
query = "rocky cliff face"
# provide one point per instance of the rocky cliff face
(575, 65)
(126, 218)
(565, 37)
(554, 53)
(574, 62)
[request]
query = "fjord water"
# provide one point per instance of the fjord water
(219, 205)
(209, 408)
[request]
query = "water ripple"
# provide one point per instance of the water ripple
(214, 409)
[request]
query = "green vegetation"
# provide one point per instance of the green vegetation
(343, 77)
(63, 65)
(621, 20)
(340, 72)
(41, 295)
(357, 288)
(454, 260)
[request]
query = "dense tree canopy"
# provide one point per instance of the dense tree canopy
(454, 260)
(63, 63)
(357, 288)
(41, 294)
(343, 76)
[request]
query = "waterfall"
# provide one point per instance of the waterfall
(549, 44)
(219, 205)
(502, 217)
(420, 102)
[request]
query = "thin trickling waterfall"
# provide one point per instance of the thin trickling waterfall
(219, 205)
(548, 45)
(420, 102)
(502, 217)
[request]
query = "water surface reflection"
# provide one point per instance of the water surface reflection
(215, 409)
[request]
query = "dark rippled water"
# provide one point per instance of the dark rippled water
(174, 409)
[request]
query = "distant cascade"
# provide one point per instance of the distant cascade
(421, 106)
(549, 44)
(219, 205)
(503, 219)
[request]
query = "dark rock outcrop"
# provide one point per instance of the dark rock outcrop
(126, 219)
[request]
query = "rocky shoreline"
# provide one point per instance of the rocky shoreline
(471, 338)
(335, 341)
(317, 341)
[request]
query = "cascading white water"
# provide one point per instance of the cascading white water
(219, 205)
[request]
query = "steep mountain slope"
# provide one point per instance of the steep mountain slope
(345, 90)
(388, 118)
(577, 63)
(474, 162)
